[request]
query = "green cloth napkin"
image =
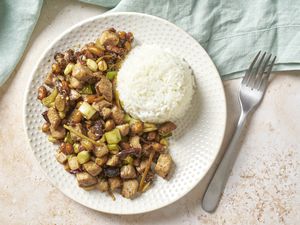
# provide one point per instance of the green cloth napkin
(17, 20)
(231, 31)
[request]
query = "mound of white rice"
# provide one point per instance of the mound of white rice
(155, 85)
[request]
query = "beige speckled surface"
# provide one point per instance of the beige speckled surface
(263, 189)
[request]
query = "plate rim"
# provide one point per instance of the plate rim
(104, 15)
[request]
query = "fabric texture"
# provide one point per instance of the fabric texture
(231, 31)
(17, 20)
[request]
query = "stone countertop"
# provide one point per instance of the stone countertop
(262, 189)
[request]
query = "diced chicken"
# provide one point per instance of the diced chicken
(112, 161)
(84, 179)
(99, 106)
(124, 129)
(163, 165)
(114, 183)
(73, 163)
(58, 133)
(102, 185)
(74, 83)
(104, 87)
(89, 188)
(130, 188)
(118, 115)
(101, 161)
(135, 142)
(92, 168)
(100, 150)
(74, 95)
(167, 128)
(81, 72)
(128, 172)
(61, 157)
(108, 37)
(106, 113)
(142, 166)
(53, 117)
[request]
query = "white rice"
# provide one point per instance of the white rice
(155, 85)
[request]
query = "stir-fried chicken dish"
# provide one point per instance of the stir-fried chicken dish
(103, 146)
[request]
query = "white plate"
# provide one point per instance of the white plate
(196, 141)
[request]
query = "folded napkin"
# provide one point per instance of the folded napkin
(17, 20)
(231, 31)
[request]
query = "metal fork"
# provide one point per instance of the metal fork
(252, 90)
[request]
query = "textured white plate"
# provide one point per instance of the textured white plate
(195, 143)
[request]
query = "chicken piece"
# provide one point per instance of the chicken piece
(142, 166)
(124, 129)
(101, 161)
(135, 142)
(100, 150)
(58, 133)
(166, 128)
(81, 72)
(108, 37)
(61, 157)
(74, 95)
(92, 168)
(84, 179)
(102, 185)
(113, 160)
(99, 106)
(74, 83)
(53, 117)
(89, 188)
(127, 172)
(114, 183)
(118, 115)
(78, 127)
(105, 113)
(163, 165)
(130, 188)
(73, 163)
(104, 87)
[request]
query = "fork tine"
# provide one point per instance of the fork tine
(254, 72)
(261, 72)
(264, 82)
(248, 72)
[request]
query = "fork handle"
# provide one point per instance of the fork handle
(217, 184)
